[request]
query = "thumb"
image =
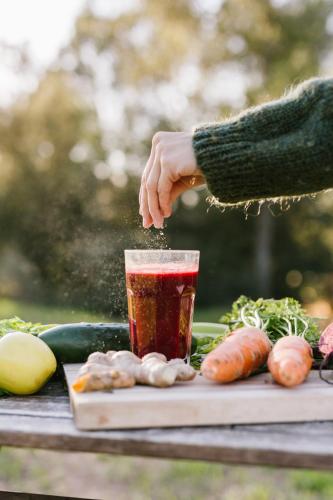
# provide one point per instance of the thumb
(184, 184)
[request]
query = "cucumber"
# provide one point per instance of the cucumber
(72, 343)
(209, 329)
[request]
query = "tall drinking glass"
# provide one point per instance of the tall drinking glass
(161, 287)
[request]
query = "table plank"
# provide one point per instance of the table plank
(44, 421)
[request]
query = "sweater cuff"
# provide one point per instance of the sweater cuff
(225, 159)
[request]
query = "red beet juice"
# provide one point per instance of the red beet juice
(160, 306)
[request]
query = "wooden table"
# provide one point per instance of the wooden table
(45, 421)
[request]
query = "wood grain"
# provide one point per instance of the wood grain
(201, 402)
(305, 445)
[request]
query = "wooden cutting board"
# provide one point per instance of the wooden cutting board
(200, 402)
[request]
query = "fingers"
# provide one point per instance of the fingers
(143, 197)
(147, 221)
(145, 174)
(184, 184)
(164, 189)
(148, 195)
(151, 187)
(170, 170)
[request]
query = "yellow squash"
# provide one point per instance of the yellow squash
(26, 363)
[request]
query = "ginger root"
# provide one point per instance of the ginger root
(103, 381)
(117, 369)
(184, 372)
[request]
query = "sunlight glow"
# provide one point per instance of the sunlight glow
(42, 28)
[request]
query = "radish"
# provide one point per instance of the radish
(326, 348)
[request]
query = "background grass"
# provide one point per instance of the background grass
(46, 314)
(131, 478)
(50, 314)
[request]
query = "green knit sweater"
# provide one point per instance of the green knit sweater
(283, 148)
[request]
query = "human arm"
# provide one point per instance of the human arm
(280, 149)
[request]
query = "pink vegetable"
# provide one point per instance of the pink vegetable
(326, 340)
(326, 348)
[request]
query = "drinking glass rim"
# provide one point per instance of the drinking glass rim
(142, 250)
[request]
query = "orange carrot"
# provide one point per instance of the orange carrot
(239, 355)
(290, 360)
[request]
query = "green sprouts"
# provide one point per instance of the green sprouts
(277, 317)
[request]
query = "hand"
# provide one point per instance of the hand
(171, 169)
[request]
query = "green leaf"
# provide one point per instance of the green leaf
(18, 325)
(276, 315)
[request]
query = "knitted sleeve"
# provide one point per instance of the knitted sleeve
(283, 148)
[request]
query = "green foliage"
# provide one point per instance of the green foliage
(18, 325)
(204, 347)
(320, 483)
(278, 317)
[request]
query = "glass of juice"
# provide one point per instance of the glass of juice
(161, 287)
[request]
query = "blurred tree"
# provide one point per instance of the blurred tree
(52, 205)
(71, 152)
